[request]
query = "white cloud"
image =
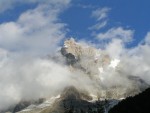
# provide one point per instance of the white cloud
(98, 25)
(133, 61)
(85, 6)
(37, 30)
(116, 33)
(22, 42)
(115, 48)
(147, 38)
(101, 15)
(136, 62)
(30, 78)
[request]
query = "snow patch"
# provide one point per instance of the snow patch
(114, 63)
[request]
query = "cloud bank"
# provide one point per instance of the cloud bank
(36, 33)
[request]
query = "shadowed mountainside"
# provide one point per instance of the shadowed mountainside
(137, 104)
(71, 101)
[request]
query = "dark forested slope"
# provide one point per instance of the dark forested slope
(137, 104)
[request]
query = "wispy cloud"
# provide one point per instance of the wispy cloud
(98, 25)
(84, 6)
(101, 13)
(116, 33)
(147, 38)
(10, 4)
(101, 16)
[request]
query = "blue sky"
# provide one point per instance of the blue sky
(79, 21)
(128, 14)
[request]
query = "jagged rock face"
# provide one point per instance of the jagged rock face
(83, 57)
(92, 61)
